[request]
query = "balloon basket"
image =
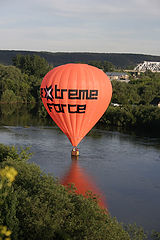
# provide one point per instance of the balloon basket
(75, 152)
(74, 158)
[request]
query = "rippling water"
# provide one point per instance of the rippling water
(125, 168)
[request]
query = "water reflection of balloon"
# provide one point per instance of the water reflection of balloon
(82, 182)
(76, 96)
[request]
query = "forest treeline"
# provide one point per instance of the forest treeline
(135, 100)
(120, 60)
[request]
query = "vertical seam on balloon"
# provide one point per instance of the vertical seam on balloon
(58, 71)
(50, 82)
(81, 125)
(69, 114)
(76, 104)
(92, 83)
(53, 77)
(61, 114)
(90, 87)
(67, 128)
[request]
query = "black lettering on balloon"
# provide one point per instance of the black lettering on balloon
(72, 94)
(81, 108)
(49, 105)
(73, 108)
(59, 108)
(83, 94)
(60, 91)
(93, 94)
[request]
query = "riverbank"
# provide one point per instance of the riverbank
(144, 118)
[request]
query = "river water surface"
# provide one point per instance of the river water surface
(125, 168)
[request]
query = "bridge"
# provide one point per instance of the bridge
(152, 66)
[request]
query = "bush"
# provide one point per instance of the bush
(8, 96)
(131, 116)
(118, 116)
(7, 176)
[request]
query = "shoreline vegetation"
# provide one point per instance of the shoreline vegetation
(46, 210)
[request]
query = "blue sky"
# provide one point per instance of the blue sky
(119, 26)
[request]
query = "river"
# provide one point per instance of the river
(124, 167)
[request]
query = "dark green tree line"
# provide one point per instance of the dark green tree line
(104, 65)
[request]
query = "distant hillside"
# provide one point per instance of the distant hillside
(121, 60)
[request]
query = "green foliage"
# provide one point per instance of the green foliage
(21, 83)
(32, 65)
(144, 117)
(134, 99)
(135, 232)
(8, 96)
(104, 65)
(8, 212)
(14, 85)
(155, 235)
(42, 111)
(120, 116)
(147, 116)
(138, 91)
(8, 201)
(124, 93)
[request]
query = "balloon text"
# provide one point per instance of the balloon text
(58, 93)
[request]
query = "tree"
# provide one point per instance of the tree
(104, 65)
(124, 93)
(32, 65)
(14, 84)
(8, 96)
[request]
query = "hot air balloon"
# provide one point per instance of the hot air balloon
(76, 96)
(82, 182)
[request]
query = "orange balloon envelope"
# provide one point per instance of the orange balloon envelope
(76, 96)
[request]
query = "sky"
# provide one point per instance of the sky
(109, 26)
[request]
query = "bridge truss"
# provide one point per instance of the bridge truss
(152, 66)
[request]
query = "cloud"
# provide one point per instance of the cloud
(94, 8)
(80, 7)
(80, 25)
